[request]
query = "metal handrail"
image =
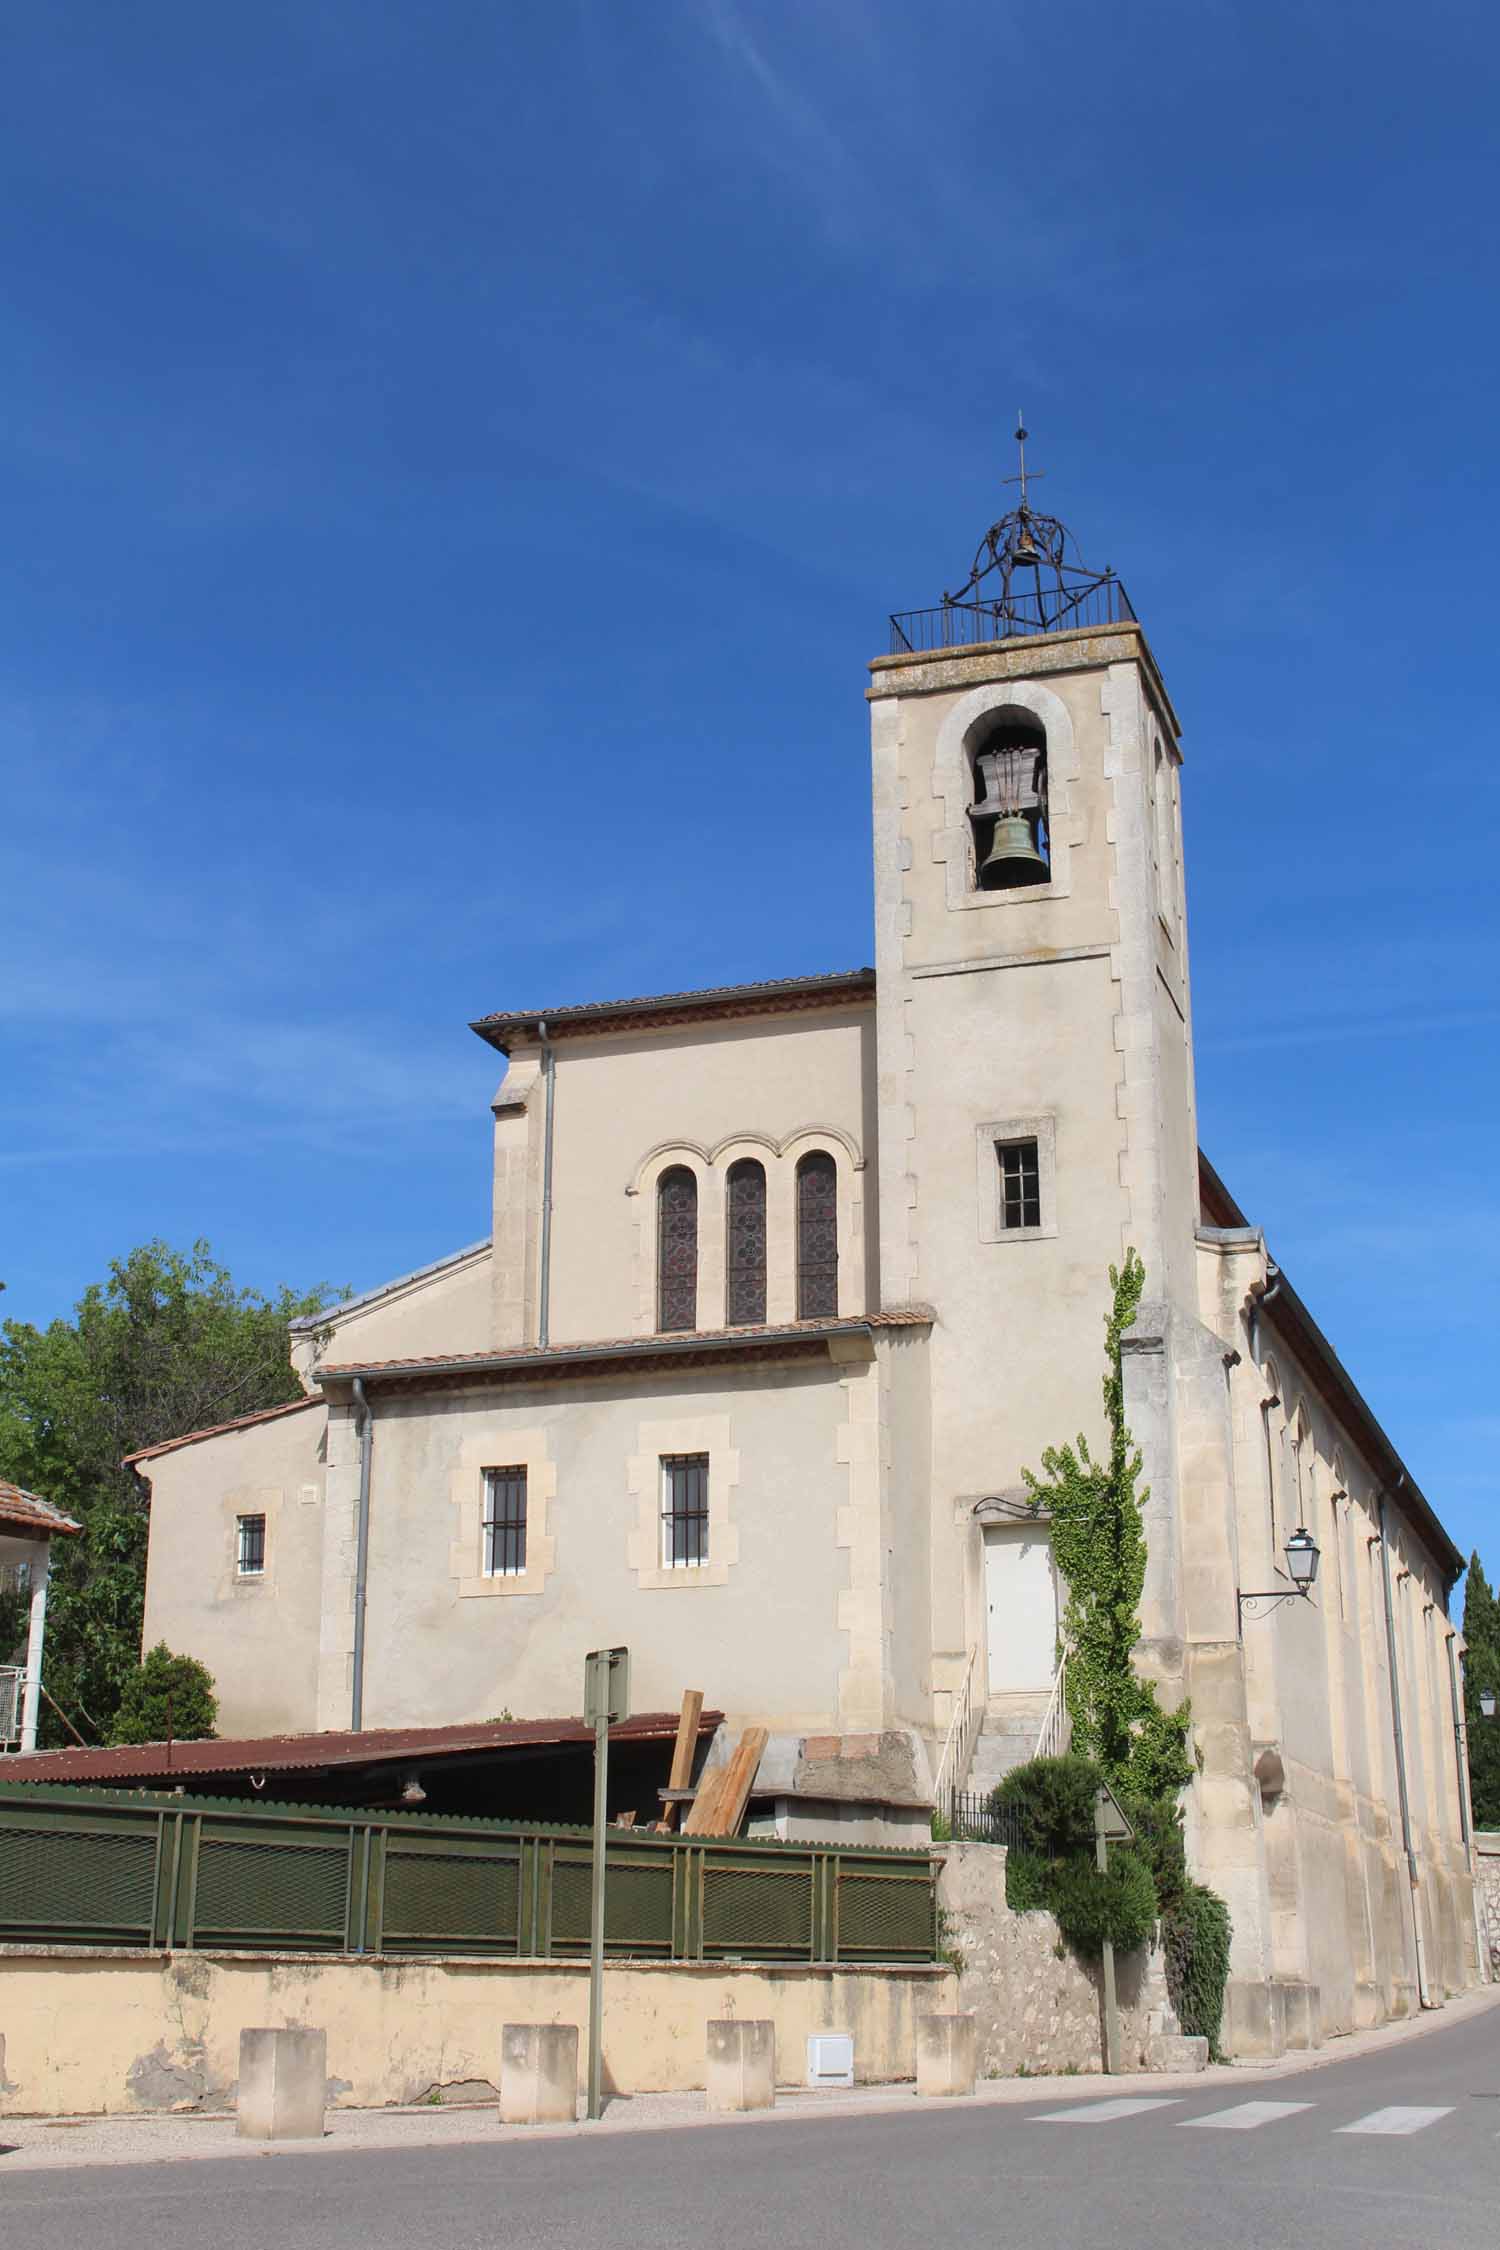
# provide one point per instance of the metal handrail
(1084, 604)
(1056, 1728)
(958, 1746)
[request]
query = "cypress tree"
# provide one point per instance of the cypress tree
(1482, 1676)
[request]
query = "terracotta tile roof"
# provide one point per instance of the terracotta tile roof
(217, 1429)
(300, 1753)
(656, 1011)
(714, 1342)
(31, 1512)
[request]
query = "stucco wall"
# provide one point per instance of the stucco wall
(627, 1105)
(258, 1636)
(444, 1311)
(151, 2032)
(771, 1630)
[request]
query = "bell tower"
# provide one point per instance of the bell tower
(1034, 1041)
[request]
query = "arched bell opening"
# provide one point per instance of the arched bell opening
(1008, 810)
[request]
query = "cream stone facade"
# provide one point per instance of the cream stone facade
(829, 1256)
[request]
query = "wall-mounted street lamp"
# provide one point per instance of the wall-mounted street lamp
(1487, 1703)
(1302, 1558)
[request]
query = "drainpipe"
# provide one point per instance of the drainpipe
(35, 1639)
(1413, 1874)
(1465, 1821)
(544, 1290)
(366, 1427)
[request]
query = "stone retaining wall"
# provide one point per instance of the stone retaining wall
(1487, 1872)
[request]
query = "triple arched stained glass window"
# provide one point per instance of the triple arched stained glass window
(745, 1243)
(817, 1237)
(677, 1249)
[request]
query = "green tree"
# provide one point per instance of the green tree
(1482, 1677)
(166, 1696)
(165, 1345)
(1099, 1546)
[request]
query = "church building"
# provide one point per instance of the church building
(786, 1284)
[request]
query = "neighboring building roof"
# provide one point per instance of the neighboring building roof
(333, 1313)
(704, 1343)
(1286, 1313)
(28, 1511)
(658, 1011)
(217, 1429)
(301, 1753)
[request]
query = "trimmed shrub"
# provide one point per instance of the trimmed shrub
(1090, 1907)
(1053, 1800)
(1026, 1876)
(1195, 1937)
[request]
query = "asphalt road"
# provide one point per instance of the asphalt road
(1388, 2151)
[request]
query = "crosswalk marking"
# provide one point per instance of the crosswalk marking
(1245, 2116)
(1105, 2113)
(1396, 2120)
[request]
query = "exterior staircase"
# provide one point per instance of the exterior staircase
(985, 1740)
(1008, 1736)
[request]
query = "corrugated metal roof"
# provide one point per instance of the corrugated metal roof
(217, 1429)
(297, 1753)
(772, 993)
(31, 1512)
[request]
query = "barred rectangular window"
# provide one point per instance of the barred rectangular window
(684, 1510)
(250, 1545)
(504, 1523)
(1020, 1184)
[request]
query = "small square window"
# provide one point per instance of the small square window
(504, 1523)
(250, 1545)
(1020, 1184)
(684, 1511)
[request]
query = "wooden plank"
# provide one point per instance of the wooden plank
(682, 1754)
(720, 1809)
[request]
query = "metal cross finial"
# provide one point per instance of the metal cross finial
(1022, 433)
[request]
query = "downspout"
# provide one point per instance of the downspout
(544, 1280)
(1465, 1817)
(1413, 1874)
(1258, 1304)
(366, 1427)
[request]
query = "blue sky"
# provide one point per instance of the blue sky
(457, 460)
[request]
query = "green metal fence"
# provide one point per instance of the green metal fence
(107, 1867)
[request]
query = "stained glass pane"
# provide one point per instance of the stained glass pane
(746, 1248)
(677, 1249)
(817, 1237)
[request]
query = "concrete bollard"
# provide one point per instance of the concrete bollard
(283, 2085)
(741, 2065)
(946, 2052)
(538, 2073)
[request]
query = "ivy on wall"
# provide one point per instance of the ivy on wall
(1099, 1547)
(1120, 1732)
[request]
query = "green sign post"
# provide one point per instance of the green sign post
(606, 1700)
(1110, 1826)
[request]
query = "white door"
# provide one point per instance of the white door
(1021, 1598)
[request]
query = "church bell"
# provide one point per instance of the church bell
(1012, 858)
